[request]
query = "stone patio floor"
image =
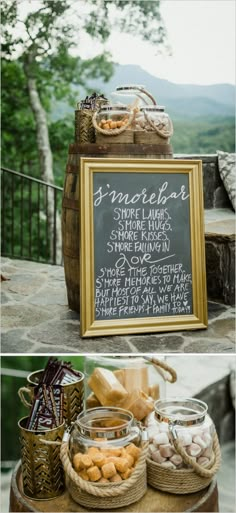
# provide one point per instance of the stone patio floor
(36, 319)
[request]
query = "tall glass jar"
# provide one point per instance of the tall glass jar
(184, 420)
(104, 443)
(110, 119)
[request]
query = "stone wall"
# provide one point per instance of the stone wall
(215, 195)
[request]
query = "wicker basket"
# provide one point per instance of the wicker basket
(84, 129)
(105, 496)
(183, 481)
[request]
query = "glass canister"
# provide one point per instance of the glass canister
(110, 119)
(133, 383)
(154, 119)
(184, 420)
(105, 444)
(136, 91)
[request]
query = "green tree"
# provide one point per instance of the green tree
(43, 50)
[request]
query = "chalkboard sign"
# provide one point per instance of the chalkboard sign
(142, 246)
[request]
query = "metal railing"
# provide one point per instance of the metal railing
(29, 220)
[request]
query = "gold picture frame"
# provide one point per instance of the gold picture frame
(182, 253)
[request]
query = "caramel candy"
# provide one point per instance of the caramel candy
(77, 461)
(92, 401)
(121, 464)
(154, 391)
(108, 470)
(83, 474)
(116, 479)
(85, 461)
(136, 378)
(99, 459)
(126, 474)
(94, 473)
(103, 480)
(106, 387)
(133, 450)
(113, 451)
(130, 460)
(92, 451)
(138, 403)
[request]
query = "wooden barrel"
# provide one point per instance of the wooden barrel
(70, 203)
(153, 501)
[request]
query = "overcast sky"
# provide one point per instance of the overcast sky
(201, 34)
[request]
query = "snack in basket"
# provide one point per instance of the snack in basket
(105, 464)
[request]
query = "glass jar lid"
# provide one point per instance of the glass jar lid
(109, 108)
(153, 108)
(135, 90)
(182, 412)
(105, 422)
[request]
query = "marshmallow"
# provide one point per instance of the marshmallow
(156, 456)
(194, 450)
(168, 464)
(185, 437)
(161, 438)
(198, 440)
(176, 459)
(203, 461)
(166, 451)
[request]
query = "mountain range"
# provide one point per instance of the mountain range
(180, 100)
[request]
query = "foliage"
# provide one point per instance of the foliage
(204, 136)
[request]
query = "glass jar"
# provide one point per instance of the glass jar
(107, 441)
(136, 91)
(185, 420)
(112, 118)
(154, 118)
(136, 377)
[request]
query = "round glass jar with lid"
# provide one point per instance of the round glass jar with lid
(154, 119)
(105, 442)
(180, 423)
(110, 119)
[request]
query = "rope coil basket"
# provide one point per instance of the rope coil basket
(105, 496)
(184, 481)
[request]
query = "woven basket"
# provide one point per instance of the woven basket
(105, 496)
(183, 481)
(84, 129)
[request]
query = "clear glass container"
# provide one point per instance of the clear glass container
(183, 419)
(105, 442)
(135, 91)
(154, 119)
(140, 383)
(112, 117)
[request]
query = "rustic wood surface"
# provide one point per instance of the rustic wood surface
(153, 501)
(70, 203)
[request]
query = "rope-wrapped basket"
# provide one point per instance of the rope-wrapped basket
(186, 480)
(105, 496)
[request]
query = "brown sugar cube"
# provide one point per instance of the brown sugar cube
(133, 450)
(108, 470)
(122, 465)
(77, 461)
(103, 480)
(116, 479)
(85, 461)
(126, 474)
(83, 474)
(92, 451)
(94, 473)
(98, 459)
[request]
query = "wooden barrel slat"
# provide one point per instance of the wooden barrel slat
(70, 203)
(153, 501)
